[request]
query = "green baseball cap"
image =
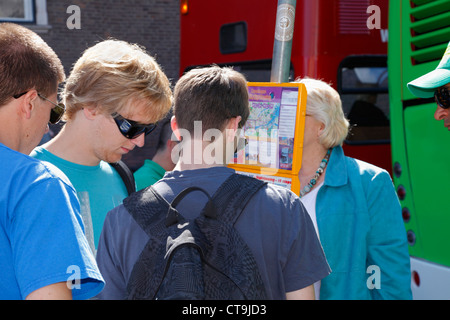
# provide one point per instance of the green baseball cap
(424, 86)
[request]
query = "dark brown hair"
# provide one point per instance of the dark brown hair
(211, 95)
(26, 62)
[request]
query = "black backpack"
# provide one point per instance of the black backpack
(204, 258)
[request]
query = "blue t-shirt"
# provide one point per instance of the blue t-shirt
(41, 232)
(99, 189)
(274, 224)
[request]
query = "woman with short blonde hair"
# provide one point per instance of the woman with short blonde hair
(353, 206)
(324, 104)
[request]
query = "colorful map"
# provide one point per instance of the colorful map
(270, 128)
(264, 117)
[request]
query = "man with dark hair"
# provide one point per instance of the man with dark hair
(211, 104)
(44, 253)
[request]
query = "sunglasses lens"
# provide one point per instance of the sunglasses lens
(56, 113)
(134, 132)
(442, 97)
(137, 131)
(130, 129)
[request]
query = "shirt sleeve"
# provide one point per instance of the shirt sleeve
(108, 262)
(306, 261)
(48, 241)
(121, 242)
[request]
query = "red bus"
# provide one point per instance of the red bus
(343, 42)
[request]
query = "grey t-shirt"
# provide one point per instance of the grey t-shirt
(274, 224)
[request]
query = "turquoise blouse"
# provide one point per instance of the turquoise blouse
(362, 232)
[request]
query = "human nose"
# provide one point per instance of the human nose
(441, 113)
(139, 141)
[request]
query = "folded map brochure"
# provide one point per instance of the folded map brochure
(274, 131)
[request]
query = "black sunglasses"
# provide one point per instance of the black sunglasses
(442, 97)
(131, 129)
(57, 111)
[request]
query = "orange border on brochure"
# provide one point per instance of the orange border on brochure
(298, 140)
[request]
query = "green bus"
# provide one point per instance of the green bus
(419, 31)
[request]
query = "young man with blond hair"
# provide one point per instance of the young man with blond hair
(43, 248)
(114, 96)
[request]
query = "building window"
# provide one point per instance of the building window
(18, 11)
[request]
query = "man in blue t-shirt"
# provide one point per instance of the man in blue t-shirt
(274, 223)
(43, 250)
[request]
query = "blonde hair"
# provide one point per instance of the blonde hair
(113, 72)
(325, 105)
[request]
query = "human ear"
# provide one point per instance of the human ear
(26, 105)
(90, 112)
(321, 129)
(232, 126)
(174, 126)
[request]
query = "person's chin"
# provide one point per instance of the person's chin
(113, 158)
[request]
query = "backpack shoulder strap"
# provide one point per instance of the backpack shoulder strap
(126, 175)
(233, 195)
(148, 208)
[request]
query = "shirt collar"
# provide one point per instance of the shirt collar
(336, 174)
